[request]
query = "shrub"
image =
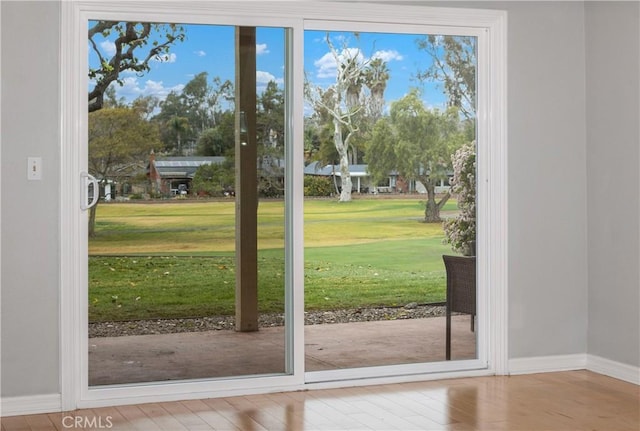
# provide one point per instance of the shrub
(317, 186)
(213, 179)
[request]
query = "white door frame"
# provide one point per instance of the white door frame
(488, 25)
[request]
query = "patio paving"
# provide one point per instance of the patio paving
(197, 355)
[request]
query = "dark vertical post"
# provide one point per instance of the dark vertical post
(246, 182)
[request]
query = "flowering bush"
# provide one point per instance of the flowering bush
(460, 231)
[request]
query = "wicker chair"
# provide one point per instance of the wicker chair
(461, 291)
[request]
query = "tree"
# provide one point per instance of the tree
(119, 139)
(270, 115)
(270, 131)
(111, 99)
(200, 103)
(195, 99)
(318, 143)
(318, 128)
(381, 153)
(416, 142)
(376, 76)
(179, 126)
(342, 101)
(211, 143)
(219, 140)
(146, 105)
(129, 52)
(171, 107)
(454, 66)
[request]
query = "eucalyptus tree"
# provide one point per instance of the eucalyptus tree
(454, 66)
(146, 105)
(343, 102)
(202, 100)
(111, 99)
(319, 128)
(201, 103)
(270, 131)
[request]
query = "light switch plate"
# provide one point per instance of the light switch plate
(34, 168)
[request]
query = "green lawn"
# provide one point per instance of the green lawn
(161, 260)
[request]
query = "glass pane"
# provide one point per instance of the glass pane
(389, 122)
(163, 294)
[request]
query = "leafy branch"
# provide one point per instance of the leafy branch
(130, 40)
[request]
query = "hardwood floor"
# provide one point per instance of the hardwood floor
(575, 400)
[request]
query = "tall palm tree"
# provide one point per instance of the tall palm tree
(179, 125)
(375, 77)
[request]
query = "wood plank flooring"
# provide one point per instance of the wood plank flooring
(574, 400)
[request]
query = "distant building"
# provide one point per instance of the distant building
(360, 179)
(363, 183)
(171, 176)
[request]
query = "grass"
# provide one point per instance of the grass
(387, 273)
(138, 287)
(171, 260)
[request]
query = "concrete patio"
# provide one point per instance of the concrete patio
(224, 353)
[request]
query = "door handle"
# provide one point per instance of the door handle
(85, 180)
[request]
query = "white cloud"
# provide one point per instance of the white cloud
(263, 78)
(200, 53)
(327, 67)
(261, 48)
(132, 88)
(165, 58)
(388, 56)
(108, 47)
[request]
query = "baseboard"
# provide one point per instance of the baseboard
(24, 405)
(579, 361)
(28, 405)
(614, 369)
(548, 364)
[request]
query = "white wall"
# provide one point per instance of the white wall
(547, 179)
(547, 224)
(30, 209)
(613, 163)
(547, 176)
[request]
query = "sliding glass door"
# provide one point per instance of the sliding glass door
(390, 145)
(272, 198)
(187, 236)
(186, 239)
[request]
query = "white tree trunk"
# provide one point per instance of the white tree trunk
(345, 175)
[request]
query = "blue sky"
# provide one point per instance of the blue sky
(211, 49)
